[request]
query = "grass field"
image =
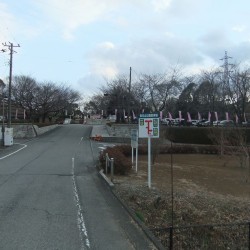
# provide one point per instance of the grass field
(208, 189)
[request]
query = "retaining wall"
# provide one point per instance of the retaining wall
(29, 130)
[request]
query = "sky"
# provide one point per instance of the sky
(84, 43)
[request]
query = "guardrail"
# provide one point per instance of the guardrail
(109, 164)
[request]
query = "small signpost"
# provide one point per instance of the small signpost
(149, 128)
(134, 145)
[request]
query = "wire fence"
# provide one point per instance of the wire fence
(213, 236)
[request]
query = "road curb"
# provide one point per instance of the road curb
(108, 181)
(145, 229)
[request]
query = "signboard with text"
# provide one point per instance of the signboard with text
(149, 125)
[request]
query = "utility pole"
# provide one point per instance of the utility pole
(10, 47)
(129, 90)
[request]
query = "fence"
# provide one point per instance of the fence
(109, 165)
(214, 236)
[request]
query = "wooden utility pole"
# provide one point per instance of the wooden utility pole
(10, 47)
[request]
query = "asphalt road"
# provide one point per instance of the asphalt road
(51, 197)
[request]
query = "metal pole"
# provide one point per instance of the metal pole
(171, 238)
(249, 236)
(172, 186)
(106, 164)
(132, 157)
(10, 80)
(136, 160)
(172, 199)
(112, 169)
(3, 128)
(149, 161)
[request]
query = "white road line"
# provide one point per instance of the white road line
(24, 146)
(80, 218)
(81, 140)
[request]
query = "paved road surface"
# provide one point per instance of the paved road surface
(51, 197)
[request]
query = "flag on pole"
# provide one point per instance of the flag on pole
(236, 118)
(180, 116)
(160, 115)
(216, 116)
(199, 116)
(189, 117)
(209, 116)
(170, 116)
(133, 114)
(227, 116)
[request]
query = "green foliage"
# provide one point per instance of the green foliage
(140, 216)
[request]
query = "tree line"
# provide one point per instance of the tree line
(43, 100)
(213, 90)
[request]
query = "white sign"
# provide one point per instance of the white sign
(149, 126)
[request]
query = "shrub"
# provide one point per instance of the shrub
(125, 149)
(122, 164)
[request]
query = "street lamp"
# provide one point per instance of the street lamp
(2, 86)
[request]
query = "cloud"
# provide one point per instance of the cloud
(239, 28)
(106, 45)
(70, 15)
(146, 56)
(160, 5)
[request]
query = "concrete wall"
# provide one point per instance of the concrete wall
(29, 130)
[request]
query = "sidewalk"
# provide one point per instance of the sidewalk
(18, 144)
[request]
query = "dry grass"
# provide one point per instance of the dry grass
(207, 189)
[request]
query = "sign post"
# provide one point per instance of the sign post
(149, 128)
(134, 144)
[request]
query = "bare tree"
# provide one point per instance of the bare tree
(233, 141)
(42, 99)
(155, 90)
(238, 90)
(24, 91)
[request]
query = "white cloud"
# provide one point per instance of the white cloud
(106, 45)
(239, 28)
(72, 14)
(160, 5)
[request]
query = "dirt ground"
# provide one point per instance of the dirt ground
(206, 189)
(212, 173)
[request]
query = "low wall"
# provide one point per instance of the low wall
(29, 130)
